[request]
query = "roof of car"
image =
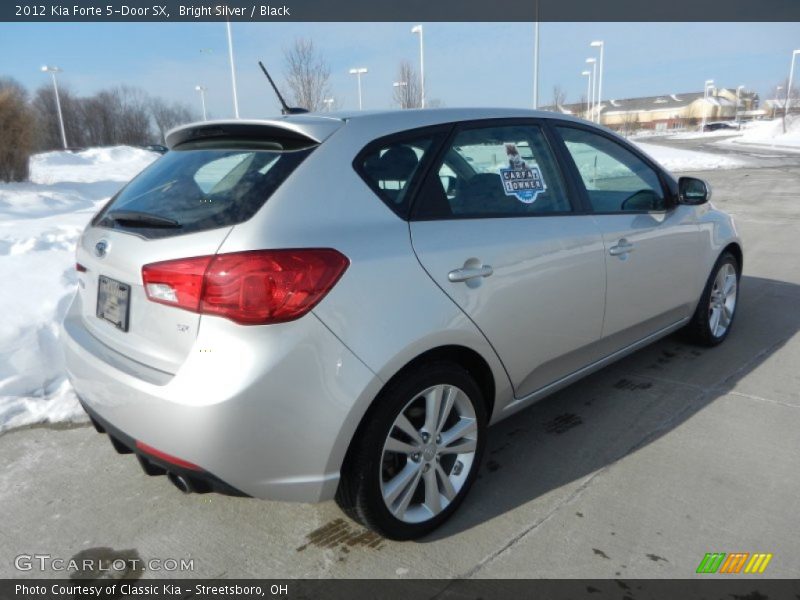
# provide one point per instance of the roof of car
(318, 126)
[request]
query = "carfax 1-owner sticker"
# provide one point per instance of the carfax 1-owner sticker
(521, 180)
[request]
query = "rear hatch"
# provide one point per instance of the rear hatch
(184, 205)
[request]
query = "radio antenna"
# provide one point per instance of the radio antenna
(285, 108)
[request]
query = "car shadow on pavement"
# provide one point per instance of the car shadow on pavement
(594, 423)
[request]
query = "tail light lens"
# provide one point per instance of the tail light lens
(251, 288)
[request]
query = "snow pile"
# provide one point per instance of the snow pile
(116, 163)
(770, 133)
(675, 159)
(40, 222)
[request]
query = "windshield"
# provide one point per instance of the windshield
(187, 191)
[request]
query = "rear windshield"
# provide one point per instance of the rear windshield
(187, 191)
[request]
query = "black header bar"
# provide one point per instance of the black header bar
(400, 10)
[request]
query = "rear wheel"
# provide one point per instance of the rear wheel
(418, 454)
(714, 316)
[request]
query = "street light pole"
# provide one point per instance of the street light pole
(593, 62)
(789, 89)
(53, 71)
(358, 72)
(705, 102)
(588, 75)
(233, 71)
(418, 29)
(536, 61)
(601, 45)
(202, 90)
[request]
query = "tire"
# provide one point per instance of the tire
(716, 304)
(427, 473)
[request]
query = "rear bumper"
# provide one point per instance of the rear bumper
(263, 411)
(200, 481)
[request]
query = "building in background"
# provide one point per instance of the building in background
(671, 111)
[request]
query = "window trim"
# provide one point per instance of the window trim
(573, 197)
(438, 133)
(668, 188)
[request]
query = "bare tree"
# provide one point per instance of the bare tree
(407, 92)
(48, 130)
(785, 101)
(307, 75)
(18, 127)
(559, 97)
(166, 116)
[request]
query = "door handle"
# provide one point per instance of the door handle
(468, 273)
(623, 247)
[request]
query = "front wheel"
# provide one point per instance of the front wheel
(713, 318)
(417, 454)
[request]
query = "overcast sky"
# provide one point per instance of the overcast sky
(477, 64)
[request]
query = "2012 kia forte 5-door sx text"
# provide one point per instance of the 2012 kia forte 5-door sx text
(336, 306)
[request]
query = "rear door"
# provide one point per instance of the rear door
(651, 244)
(495, 227)
(184, 205)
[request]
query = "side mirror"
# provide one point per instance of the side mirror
(693, 191)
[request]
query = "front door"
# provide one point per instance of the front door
(495, 228)
(651, 246)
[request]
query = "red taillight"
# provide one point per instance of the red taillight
(80, 268)
(251, 288)
(173, 460)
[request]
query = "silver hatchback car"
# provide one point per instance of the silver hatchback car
(337, 306)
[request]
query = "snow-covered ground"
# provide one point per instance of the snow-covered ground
(770, 133)
(675, 159)
(40, 222)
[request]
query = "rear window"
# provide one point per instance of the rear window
(187, 191)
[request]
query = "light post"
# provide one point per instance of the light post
(53, 71)
(709, 82)
(599, 44)
(201, 89)
(789, 89)
(233, 70)
(588, 75)
(593, 62)
(358, 72)
(418, 30)
(328, 103)
(536, 60)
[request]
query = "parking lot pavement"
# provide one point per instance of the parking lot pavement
(636, 471)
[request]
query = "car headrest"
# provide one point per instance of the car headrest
(398, 163)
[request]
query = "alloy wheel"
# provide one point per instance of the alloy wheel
(722, 303)
(428, 453)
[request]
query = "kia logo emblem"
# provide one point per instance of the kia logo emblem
(101, 248)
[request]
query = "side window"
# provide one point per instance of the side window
(616, 180)
(389, 169)
(498, 171)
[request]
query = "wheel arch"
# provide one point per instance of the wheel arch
(475, 364)
(735, 249)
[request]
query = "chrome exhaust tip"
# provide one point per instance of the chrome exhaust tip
(180, 482)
